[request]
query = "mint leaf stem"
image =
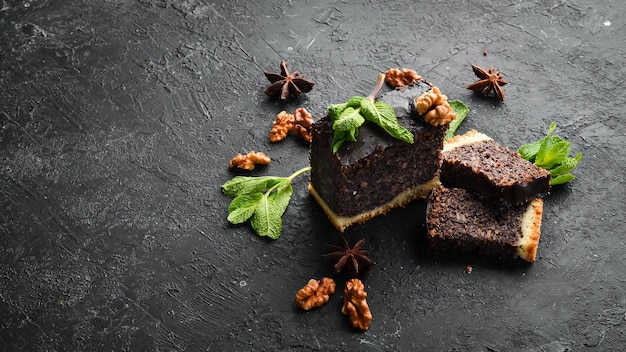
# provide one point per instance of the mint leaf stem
(288, 179)
(299, 172)
(379, 85)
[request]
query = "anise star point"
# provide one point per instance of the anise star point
(285, 84)
(490, 81)
(354, 260)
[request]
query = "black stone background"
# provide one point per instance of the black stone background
(118, 119)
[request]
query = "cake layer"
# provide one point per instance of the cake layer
(476, 162)
(342, 222)
(369, 174)
(459, 221)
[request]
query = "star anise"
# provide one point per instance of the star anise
(489, 81)
(354, 260)
(285, 84)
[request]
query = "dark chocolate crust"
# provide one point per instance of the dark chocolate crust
(370, 172)
(458, 221)
(494, 172)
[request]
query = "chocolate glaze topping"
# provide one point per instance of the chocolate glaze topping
(372, 138)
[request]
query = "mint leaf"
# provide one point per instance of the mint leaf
(262, 199)
(346, 125)
(242, 207)
(338, 139)
(335, 110)
(341, 136)
(552, 154)
(547, 142)
(354, 102)
(532, 150)
(561, 179)
(349, 116)
(369, 111)
(266, 220)
(247, 184)
(281, 197)
(529, 151)
(567, 165)
(384, 116)
(461, 111)
(350, 119)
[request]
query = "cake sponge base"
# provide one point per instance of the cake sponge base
(341, 222)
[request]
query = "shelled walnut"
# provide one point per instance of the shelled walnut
(299, 123)
(440, 115)
(302, 124)
(249, 161)
(435, 108)
(355, 304)
(282, 125)
(315, 293)
(400, 78)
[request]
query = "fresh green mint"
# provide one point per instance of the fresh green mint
(262, 199)
(349, 116)
(461, 111)
(552, 153)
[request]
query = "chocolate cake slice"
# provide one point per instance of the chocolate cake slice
(459, 221)
(476, 162)
(376, 173)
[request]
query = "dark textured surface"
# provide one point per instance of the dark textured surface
(118, 119)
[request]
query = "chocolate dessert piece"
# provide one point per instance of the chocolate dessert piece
(376, 173)
(476, 162)
(459, 221)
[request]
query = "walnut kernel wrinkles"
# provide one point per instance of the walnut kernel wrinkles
(440, 115)
(302, 124)
(249, 161)
(315, 293)
(299, 123)
(435, 107)
(282, 125)
(355, 304)
(400, 78)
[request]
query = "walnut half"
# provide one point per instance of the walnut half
(282, 126)
(248, 161)
(355, 304)
(315, 293)
(302, 121)
(435, 108)
(400, 78)
(299, 123)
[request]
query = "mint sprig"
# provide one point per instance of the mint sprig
(262, 200)
(552, 153)
(349, 116)
(461, 110)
